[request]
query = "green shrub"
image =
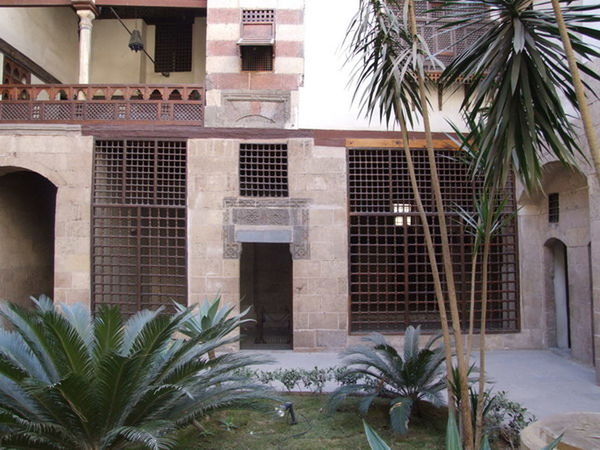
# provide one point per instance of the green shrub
(506, 419)
(70, 380)
(315, 379)
(290, 378)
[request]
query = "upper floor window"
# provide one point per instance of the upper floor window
(553, 208)
(257, 40)
(173, 48)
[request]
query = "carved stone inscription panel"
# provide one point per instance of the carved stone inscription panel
(266, 217)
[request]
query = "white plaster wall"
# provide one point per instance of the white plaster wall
(326, 98)
(114, 62)
(46, 35)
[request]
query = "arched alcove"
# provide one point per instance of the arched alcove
(27, 217)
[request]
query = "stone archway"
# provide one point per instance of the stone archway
(27, 234)
(563, 228)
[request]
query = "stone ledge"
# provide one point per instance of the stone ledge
(580, 430)
(39, 129)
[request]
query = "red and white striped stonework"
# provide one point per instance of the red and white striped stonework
(223, 62)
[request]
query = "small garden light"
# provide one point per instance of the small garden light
(287, 408)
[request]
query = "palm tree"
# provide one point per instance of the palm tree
(586, 118)
(390, 60)
(518, 76)
(72, 381)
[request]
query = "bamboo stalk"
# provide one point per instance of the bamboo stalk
(437, 283)
(484, 301)
(447, 258)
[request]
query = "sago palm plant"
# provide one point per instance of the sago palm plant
(416, 374)
(212, 321)
(70, 380)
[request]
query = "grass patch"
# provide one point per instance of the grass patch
(316, 429)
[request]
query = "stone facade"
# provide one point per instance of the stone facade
(64, 157)
(313, 219)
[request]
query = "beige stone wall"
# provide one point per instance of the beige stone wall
(594, 192)
(321, 282)
(64, 157)
(48, 36)
(212, 176)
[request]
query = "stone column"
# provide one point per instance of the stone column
(86, 16)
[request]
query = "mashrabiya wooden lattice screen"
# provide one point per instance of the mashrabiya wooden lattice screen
(139, 224)
(391, 285)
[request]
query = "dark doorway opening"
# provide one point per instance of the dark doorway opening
(266, 287)
(27, 214)
(560, 284)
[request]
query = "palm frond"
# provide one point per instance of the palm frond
(518, 75)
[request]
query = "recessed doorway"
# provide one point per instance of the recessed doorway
(27, 215)
(560, 286)
(266, 287)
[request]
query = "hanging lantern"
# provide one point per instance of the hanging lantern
(135, 42)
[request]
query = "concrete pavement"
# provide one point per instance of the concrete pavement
(544, 382)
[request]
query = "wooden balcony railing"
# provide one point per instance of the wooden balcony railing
(83, 103)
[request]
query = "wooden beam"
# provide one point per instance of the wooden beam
(14, 3)
(28, 63)
(155, 3)
(145, 3)
(438, 144)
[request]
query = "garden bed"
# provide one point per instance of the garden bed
(315, 429)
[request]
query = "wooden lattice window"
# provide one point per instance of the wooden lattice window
(173, 50)
(257, 58)
(264, 170)
(15, 73)
(553, 208)
(445, 43)
(258, 16)
(139, 224)
(391, 284)
(257, 40)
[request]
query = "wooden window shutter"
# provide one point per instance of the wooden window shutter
(173, 52)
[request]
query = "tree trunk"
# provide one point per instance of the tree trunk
(586, 118)
(447, 258)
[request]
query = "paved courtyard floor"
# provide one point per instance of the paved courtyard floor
(546, 383)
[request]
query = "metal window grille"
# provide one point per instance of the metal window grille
(173, 48)
(264, 170)
(139, 224)
(391, 284)
(553, 208)
(257, 58)
(258, 16)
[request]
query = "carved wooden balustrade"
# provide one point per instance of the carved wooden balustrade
(82, 103)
